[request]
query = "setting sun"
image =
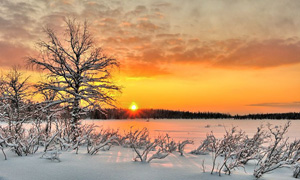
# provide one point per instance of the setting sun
(133, 107)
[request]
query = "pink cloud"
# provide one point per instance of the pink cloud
(262, 54)
(11, 54)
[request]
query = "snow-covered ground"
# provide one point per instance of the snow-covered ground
(118, 164)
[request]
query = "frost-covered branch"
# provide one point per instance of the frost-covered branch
(183, 144)
(142, 145)
(276, 154)
(206, 145)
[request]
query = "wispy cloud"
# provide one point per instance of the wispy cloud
(263, 54)
(284, 105)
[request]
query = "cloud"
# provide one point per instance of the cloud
(197, 55)
(132, 40)
(11, 54)
(19, 7)
(284, 105)
(143, 69)
(262, 54)
(232, 53)
(139, 10)
(221, 34)
(16, 21)
(147, 26)
(162, 4)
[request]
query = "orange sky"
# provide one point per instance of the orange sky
(208, 55)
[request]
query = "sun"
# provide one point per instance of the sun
(133, 107)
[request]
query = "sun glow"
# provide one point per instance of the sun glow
(133, 107)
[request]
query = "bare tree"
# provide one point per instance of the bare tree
(79, 72)
(14, 105)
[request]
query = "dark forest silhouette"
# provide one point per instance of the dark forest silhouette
(171, 114)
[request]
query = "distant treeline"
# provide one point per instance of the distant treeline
(292, 115)
(170, 114)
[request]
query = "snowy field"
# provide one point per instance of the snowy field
(118, 163)
(195, 130)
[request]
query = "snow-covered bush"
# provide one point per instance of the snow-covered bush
(102, 145)
(205, 146)
(2, 146)
(182, 144)
(84, 137)
(251, 147)
(52, 142)
(277, 153)
(22, 143)
(296, 173)
(230, 146)
(102, 140)
(52, 155)
(226, 148)
(142, 146)
(167, 144)
(138, 138)
(235, 148)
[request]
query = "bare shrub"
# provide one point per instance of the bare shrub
(181, 145)
(167, 144)
(22, 143)
(102, 140)
(230, 145)
(276, 154)
(206, 145)
(142, 146)
(251, 147)
(296, 173)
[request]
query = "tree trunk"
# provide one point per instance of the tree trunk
(75, 118)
